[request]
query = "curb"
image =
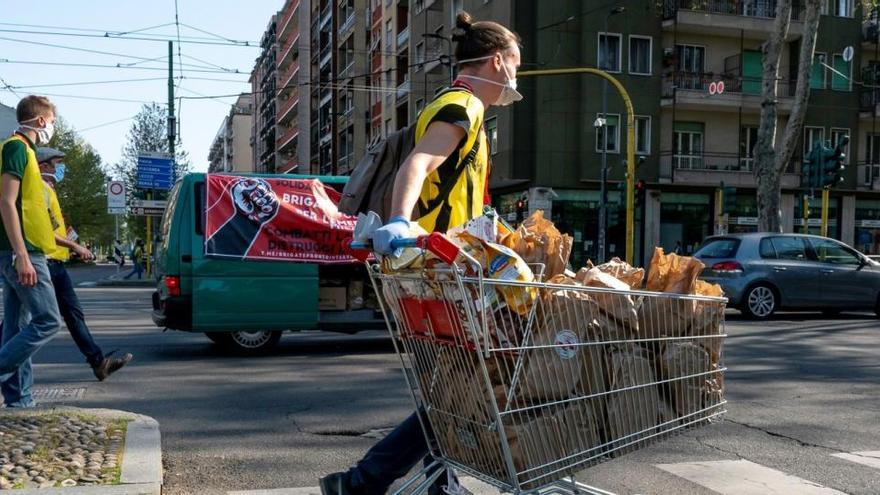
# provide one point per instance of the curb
(141, 459)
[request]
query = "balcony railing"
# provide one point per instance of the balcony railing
(326, 53)
(287, 137)
(288, 105)
(765, 9)
(347, 27)
(712, 162)
(871, 26)
(285, 23)
(287, 80)
(733, 83)
(403, 38)
(402, 90)
(869, 99)
(285, 51)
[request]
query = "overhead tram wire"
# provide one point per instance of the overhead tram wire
(70, 64)
(96, 98)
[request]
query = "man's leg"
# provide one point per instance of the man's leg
(45, 320)
(71, 311)
(389, 460)
(22, 378)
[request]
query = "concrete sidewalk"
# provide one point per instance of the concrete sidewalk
(141, 470)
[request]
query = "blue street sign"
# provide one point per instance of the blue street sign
(155, 171)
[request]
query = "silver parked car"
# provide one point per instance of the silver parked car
(763, 272)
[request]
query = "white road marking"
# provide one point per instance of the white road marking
(871, 459)
(745, 478)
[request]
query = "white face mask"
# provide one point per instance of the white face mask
(44, 134)
(509, 94)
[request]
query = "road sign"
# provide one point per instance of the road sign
(716, 88)
(155, 171)
(150, 203)
(848, 53)
(116, 197)
(146, 212)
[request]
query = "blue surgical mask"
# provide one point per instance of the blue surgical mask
(59, 172)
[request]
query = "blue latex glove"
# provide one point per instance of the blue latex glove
(396, 228)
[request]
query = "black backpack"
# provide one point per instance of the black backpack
(371, 185)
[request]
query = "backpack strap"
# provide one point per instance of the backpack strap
(446, 187)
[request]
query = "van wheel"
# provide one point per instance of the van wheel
(247, 343)
(760, 302)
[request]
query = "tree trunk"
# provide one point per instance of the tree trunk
(770, 165)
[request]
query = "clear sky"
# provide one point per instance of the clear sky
(199, 119)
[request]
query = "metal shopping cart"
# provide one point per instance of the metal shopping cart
(523, 384)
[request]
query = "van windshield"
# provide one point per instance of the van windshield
(169, 214)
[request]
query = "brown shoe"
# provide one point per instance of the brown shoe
(110, 365)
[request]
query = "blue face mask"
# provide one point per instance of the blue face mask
(59, 172)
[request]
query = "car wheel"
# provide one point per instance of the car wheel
(760, 302)
(248, 343)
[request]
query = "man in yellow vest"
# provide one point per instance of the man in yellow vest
(25, 239)
(52, 171)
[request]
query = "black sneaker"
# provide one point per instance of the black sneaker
(334, 484)
(110, 365)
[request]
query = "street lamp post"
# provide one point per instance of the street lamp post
(603, 187)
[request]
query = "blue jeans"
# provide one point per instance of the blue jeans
(71, 311)
(21, 341)
(392, 458)
(138, 269)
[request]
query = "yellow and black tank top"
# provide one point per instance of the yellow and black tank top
(459, 107)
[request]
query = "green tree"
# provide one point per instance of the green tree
(148, 133)
(83, 192)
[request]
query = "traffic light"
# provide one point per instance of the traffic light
(811, 172)
(832, 163)
(522, 207)
(728, 203)
(639, 195)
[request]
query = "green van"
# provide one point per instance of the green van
(246, 305)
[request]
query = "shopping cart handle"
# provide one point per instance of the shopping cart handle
(437, 244)
(395, 244)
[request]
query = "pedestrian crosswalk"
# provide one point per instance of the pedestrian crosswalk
(726, 477)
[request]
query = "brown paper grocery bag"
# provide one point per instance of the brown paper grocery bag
(619, 306)
(623, 271)
(538, 241)
(673, 273)
(632, 414)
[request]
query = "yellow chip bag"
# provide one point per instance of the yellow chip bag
(502, 263)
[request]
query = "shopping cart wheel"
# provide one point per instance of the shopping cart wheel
(760, 301)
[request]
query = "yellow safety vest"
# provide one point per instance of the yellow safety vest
(465, 198)
(60, 253)
(34, 216)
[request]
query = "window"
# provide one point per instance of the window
(790, 248)
(748, 136)
(813, 135)
(389, 34)
(690, 58)
(612, 126)
(841, 82)
(817, 72)
(640, 55)
(492, 134)
(828, 251)
(608, 53)
(841, 8)
(420, 55)
(767, 250)
(719, 248)
(643, 135)
(836, 135)
(688, 145)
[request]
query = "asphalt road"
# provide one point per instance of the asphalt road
(801, 389)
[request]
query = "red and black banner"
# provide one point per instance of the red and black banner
(255, 218)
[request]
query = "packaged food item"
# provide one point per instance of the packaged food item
(410, 258)
(689, 395)
(483, 227)
(502, 263)
(538, 241)
(623, 271)
(632, 413)
(673, 273)
(619, 306)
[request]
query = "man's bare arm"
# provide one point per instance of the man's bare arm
(440, 140)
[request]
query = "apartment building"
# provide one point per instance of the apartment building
(231, 150)
(294, 71)
(389, 40)
(548, 150)
(264, 83)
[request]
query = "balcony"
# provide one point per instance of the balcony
(871, 29)
(288, 21)
(326, 54)
(288, 48)
(348, 71)
(869, 176)
(402, 91)
(287, 79)
(403, 39)
(708, 169)
(377, 14)
(325, 16)
(376, 109)
(752, 19)
(288, 105)
(346, 29)
(288, 138)
(690, 91)
(869, 103)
